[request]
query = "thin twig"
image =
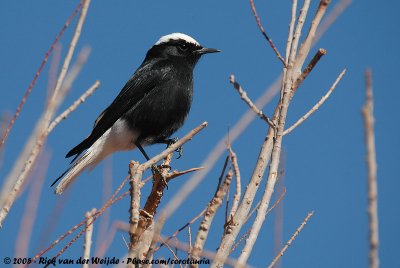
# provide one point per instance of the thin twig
(369, 121)
(290, 241)
(32, 203)
(183, 227)
(246, 99)
(38, 72)
(174, 146)
(170, 249)
(190, 242)
(251, 213)
(88, 237)
(291, 31)
(316, 106)
(110, 202)
(103, 225)
(205, 253)
(238, 193)
(253, 8)
(73, 106)
(329, 19)
(174, 174)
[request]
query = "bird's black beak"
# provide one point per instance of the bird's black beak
(205, 50)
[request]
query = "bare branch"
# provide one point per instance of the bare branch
(110, 202)
(174, 146)
(291, 30)
(290, 241)
(369, 120)
(136, 173)
(316, 106)
(205, 224)
(88, 236)
(251, 213)
(321, 52)
(73, 107)
(306, 46)
(205, 253)
(170, 249)
(31, 206)
(253, 8)
(245, 98)
(175, 173)
(330, 19)
(238, 193)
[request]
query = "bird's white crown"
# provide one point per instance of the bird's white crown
(176, 36)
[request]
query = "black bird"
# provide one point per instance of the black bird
(152, 105)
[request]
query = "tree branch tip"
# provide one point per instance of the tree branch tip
(325, 2)
(322, 51)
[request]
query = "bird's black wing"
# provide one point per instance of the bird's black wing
(146, 78)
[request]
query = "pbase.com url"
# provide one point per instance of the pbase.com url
(168, 261)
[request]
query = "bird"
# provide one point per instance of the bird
(152, 105)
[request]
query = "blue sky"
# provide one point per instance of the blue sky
(324, 158)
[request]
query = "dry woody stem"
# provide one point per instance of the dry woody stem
(73, 107)
(88, 236)
(205, 224)
(238, 193)
(245, 98)
(290, 241)
(253, 8)
(369, 120)
(317, 105)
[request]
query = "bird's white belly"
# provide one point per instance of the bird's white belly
(119, 137)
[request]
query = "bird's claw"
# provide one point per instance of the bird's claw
(179, 150)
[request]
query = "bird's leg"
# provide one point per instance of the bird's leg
(154, 168)
(169, 142)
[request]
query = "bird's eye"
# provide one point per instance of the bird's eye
(183, 47)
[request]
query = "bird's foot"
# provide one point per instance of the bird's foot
(179, 150)
(166, 166)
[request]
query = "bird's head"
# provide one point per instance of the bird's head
(178, 47)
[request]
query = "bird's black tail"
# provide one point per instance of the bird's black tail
(77, 150)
